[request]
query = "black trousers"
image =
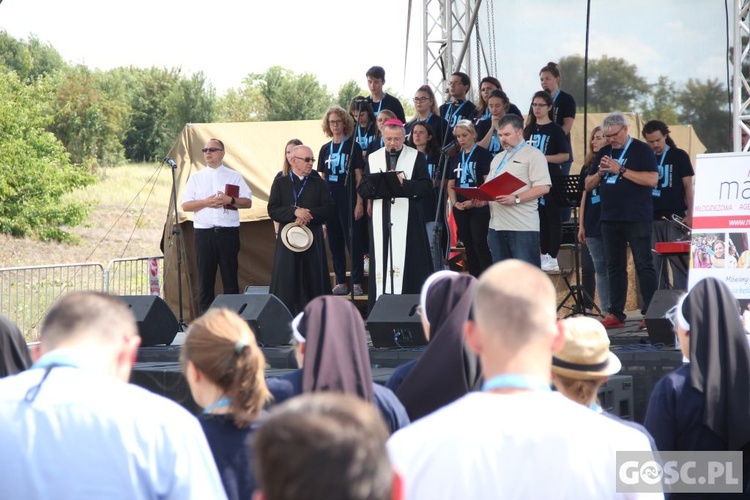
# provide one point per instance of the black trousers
(473, 225)
(217, 247)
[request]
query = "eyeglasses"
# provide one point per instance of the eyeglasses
(539, 104)
(306, 159)
(335, 122)
(609, 136)
(211, 150)
(421, 99)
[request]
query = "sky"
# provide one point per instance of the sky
(228, 39)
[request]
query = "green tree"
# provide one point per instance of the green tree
(703, 105)
(661, 102)
(88, 121)
(35, 171)
(347, 92)
(241, 105)
(288, 96)
(191, 100)
(613, 83)
(30, 59)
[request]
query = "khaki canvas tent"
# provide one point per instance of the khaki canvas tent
(255, 149)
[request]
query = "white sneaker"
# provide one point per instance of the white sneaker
(545, 257)
(551, 265)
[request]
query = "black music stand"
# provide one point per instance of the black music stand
(384, 186)
(567, 192)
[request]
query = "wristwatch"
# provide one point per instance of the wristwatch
(622, 170)
(518, 200)
(233, 200)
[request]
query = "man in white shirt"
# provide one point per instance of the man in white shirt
(216, 221)
(516, 438)
(71, 426)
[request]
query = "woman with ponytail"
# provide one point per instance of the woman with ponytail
(225, 369)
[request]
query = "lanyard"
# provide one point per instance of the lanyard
(294, 188)
(516, 381)
(465, 162)
(664, 155)
(380, 104)
(622, 155)
(449, 116)
(494, 143)
(362, 138)
(219, 403)
(554, 97)
(506, 158)
(426, 120)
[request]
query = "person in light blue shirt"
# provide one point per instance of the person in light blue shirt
(71, 427)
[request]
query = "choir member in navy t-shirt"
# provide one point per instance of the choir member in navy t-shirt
(378, 99)
(459, 108)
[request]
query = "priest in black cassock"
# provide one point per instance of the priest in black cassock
(300, 198)
(402, 267)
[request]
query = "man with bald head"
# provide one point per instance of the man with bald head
(516, 438)
(300, 199)
(72, 427)
(214, 194)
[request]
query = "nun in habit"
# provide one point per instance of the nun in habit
(14, 353)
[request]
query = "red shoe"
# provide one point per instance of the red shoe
(642, 325)
(612, 322)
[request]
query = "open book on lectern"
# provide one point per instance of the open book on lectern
(504, 184)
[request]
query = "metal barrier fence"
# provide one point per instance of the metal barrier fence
(26, 293)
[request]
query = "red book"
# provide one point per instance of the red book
(232, 190)
(504, 184)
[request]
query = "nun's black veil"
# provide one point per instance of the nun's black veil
(719, 360)
(14, 354)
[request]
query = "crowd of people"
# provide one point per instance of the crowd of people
(502, 403)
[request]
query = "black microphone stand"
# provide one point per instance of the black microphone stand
(437, 231)
(350, 184)
(178, 242)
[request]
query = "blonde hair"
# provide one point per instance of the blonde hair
(222, 346)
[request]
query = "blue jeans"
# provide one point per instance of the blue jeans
(616, 237)
(596, 249)
(522, 245)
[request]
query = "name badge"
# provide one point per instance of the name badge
(596, 199)
(333, 178)
(611, 179)
(656, 193)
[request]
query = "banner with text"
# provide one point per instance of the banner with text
(720, 245)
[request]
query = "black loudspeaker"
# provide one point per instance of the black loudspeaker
(269, 318)
(157, 324)
(394, 322)
(660, 329)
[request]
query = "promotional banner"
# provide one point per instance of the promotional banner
(720, 245)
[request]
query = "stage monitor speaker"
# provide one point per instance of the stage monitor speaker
(269, 318)
(394, 322)
(157, 324)
(660, 329)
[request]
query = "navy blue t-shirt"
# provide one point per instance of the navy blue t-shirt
(429, 203)
(469, 169)
(669, 194)
(390, 103)
(231, 449)
(365, 135)
(438, 125)
(592, 209)
(564, 107)
(483, 126)
(333, 157)
(550, 140)
(624, 200)
(455, 111)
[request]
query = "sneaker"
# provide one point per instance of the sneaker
(642, 325)
(550, 265)
(358, 290)
(545, 257)
(340, 289)
(612, 322)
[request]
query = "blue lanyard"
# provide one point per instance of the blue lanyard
(294, 188)
(426, 120)
(338, 153)
(506, 158)
(219, 403)
(60, 357)
(360, 136)
(516, 381)
(554, 97)
(486, 114)
(465, 161)
(449, 116)
(664, 155)
(494, 143)
(622, 155)
(380, 104)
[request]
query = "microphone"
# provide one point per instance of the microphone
(169, 161)
(446, 149)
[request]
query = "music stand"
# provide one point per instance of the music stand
(567, 192)
(384, 186)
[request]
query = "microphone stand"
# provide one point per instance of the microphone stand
(350, 185)
(437, 230)
(389, 258)
(177, 235)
